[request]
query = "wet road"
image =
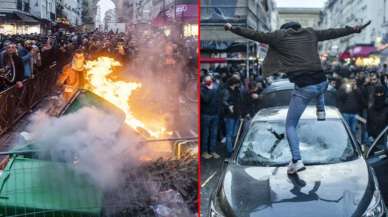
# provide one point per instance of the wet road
(210, 170)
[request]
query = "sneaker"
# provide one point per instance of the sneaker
(206, 155)
(321, 115)
(215, 155)
(223, 140)
(295, 167)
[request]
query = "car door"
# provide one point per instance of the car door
(378, 159)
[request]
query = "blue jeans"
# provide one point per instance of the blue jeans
(209, 127)
(231, 127)
(352, 122)
(300, 98)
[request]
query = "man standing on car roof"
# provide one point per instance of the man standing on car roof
(294, 50)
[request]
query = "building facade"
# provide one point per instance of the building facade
(44, 9)
(70, 11)
(339, 13)
(258, 15)
(16, 17)
(307, 17)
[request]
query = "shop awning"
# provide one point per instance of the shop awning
(179, 12)
(184, 12)
(361, 50)
(9, 16)
(26, 19)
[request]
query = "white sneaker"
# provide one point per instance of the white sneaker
(321, 115)
(206, 155)
(223, 140)
(215, 155)
(295, 167)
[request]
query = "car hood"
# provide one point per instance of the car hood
(336, 190)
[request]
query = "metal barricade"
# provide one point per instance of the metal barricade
(15, 102)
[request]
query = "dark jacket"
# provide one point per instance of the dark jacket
(231, 98)
(350, 102)
(15, 65)
(292, 51)
(210, 101)
(250, 105)
(377, 120)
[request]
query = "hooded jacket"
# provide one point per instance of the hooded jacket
(292, 51)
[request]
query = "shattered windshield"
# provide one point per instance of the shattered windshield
(321, 142)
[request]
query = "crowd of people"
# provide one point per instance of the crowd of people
(23, 56)
(228, 95)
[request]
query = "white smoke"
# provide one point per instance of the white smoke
(93, 140)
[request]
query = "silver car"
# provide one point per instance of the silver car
(338, 181)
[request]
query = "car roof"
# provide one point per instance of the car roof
(283, 84)
(280, 113)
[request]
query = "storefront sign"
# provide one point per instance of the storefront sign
(182, 11)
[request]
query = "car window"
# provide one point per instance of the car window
(321, 142)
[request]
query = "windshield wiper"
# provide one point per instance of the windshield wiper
(279, 138)
(277, 135)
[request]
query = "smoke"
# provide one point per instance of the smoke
(162, 65)
(93, 140)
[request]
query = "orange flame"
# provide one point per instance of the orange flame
(117, 92)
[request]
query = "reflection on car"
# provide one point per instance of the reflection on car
(279, 94)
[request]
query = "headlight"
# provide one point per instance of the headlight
(213, 211)
(376, 206)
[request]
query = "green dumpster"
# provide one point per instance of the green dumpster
(86, 98)
(31, 187)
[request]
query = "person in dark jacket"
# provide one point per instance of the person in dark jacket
(210, 111)
(11, 65)
(350, 103)
(377, 114)
(294, 50)
(251, 99)
(232, 111)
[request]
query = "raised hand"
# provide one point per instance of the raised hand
(359, 28)
(227, 26)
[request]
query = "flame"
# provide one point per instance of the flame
(117, 92)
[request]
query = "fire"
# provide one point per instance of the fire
(117, 92)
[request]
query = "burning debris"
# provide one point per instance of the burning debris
(161, 188)
(118, 93)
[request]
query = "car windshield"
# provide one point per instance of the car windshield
(321, 142)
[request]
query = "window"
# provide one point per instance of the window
(265, 5)
(27, 6)
(19, 5)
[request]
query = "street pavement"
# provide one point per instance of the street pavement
(210, 171)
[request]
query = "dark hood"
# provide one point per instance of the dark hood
(336, 190)
(291, 25)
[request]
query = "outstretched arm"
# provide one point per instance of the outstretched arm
(262, 37)
(332, 33)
